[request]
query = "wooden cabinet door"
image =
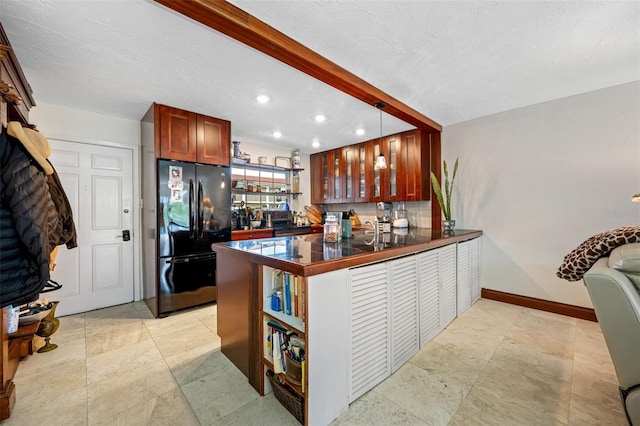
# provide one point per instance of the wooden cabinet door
(336, 180)
(348, 172)
(177, 134)
(318, 181)
(394, 176)
(363, 173)
(213, 141)
(416, 162)
(379, 189)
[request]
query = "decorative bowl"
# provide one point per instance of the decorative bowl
(28, 319)
(256, 223)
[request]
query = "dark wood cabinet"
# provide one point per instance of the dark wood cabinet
(337, 181)
(328, 184)
(213, 140)
(416, 161)
(363, 172)
(177, 134)
(394, 185)
(377, 176)
(317, 180)
(187, 136)
(348, 175)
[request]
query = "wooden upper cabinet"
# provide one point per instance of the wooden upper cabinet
(16, 96)
(416, 161)
(394, 179)
(317, 163)
(177, 134)
(363, 173)
(379, 180)
(213, 141)
(187, 136)
(348, 175)
(337, 184)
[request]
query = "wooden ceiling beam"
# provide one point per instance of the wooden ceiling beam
(245, 28)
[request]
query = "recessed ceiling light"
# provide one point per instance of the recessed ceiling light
(263, 99)
(359, 132)
(277, 134)
(315, 143)
(320, 118)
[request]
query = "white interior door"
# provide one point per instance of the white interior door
(98, 181)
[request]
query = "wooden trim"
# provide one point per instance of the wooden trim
(245, 28)
(541, 304)
(435, 146)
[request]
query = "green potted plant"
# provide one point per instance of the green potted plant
(445, 199)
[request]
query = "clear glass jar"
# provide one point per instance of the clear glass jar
(332, 230)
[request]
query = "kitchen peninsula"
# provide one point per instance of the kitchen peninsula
(366, 305)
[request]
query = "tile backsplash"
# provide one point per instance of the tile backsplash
(419, 212)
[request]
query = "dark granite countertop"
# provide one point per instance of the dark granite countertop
(308, 255)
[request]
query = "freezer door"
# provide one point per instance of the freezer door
(177, 201)
(213, 194)
(186, 281)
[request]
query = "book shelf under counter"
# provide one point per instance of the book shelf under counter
(283, 339)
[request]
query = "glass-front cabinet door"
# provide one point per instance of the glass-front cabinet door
(325, 177)
(380, 189)
(337, 186)
(348, 165)
(394, 169)
(363, 172)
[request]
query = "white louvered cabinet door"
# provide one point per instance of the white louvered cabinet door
(474, 269)
(464, 283)
(370, 360)
(429, 295)
(447, 282)
(404, 311)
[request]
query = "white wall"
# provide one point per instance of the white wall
(60, 122)
(541, 179)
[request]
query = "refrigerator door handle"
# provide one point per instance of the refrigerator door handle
(178, 261)
(200, 210)
(192, 211)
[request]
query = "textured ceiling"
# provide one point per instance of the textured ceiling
(451, 60)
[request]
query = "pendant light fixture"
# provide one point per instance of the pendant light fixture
(381, 163)
(636, 198)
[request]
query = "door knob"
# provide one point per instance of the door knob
(126, 210)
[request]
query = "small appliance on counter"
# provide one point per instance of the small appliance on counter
(282, 223)
(400, 217)
(383, 213)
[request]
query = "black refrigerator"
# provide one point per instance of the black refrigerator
(193, 212)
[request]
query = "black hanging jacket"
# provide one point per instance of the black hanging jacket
(25, 220)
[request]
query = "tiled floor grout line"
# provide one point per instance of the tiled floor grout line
(484, 366)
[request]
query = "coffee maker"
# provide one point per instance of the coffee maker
(383, 213)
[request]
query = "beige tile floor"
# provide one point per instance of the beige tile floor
(497, 364)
